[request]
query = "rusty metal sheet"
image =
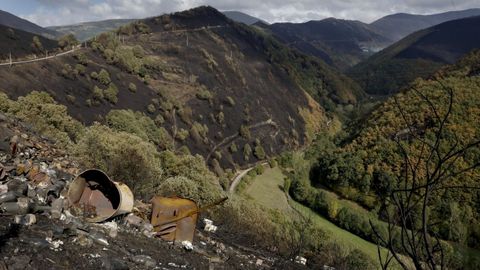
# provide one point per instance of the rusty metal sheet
(174, 219)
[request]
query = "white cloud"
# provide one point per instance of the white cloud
(57, 12)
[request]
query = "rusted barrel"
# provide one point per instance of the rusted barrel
(99, 197)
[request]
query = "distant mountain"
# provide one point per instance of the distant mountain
(242, 17)
(418, 55)
(341, 43)
(10, 20)
(398, 26)
(87, 30)
(20, 43)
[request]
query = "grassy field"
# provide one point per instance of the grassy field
(266, 189)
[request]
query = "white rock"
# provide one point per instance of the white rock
(187, 245)
(301, 260)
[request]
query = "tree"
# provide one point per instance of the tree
(67, 41)
(37, 44)
(424, 174)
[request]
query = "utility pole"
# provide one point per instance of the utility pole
(10, 58)
(187, 39)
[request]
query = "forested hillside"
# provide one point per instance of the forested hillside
(370, 165)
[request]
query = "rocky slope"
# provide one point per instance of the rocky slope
(40, 231)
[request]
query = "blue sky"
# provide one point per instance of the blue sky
(60, 12)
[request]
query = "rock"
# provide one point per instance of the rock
(145, 260)
(10, 196)
(133, 220)
(111, 228)
(3, 188)
(187, 245)
(57, 208)
(109, 263)
(18, 185)
(19, 262)
(259, 262)
(301, 260)
(99, 238)
(209, 227)
(26, 220)
(83, 241)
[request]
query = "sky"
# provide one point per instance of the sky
(62, 12)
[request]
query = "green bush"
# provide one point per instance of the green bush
(140, 125)
(151, 108)
(132, 87)
(182, 134)
(97, 93)
(245, 132)
(67, 41)
(259, 152)
(111, 93)
(45, 115)
(247, 152)
(80, 69)
(204, 94)
(123, 156)
(233, 148)
(104, 77)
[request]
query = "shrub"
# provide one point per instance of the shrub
(204, 94)
(126, 58)
(81, 58)
(71, 99)
(94, 75)
(182, 134)
(233, 148)
(45, 115)
(259, 169)
(132, 87)
(140, 125)
(220, 118)
(104, 77)
(97, 93)
(247, 152)
(159, 120)
(36, 44)
(151, 108)
(244, 132)
(259, 152)
(111, 93)
(67, 41)
(80, 69)
(123, 156)
(230, 101)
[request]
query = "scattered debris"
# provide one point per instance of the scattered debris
(209, 227)
(98, 198)
(301, 260)
(26, 220)
(187, 245)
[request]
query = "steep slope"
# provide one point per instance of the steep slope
(10, 20)
(87, 30)
(398, 26)
(341, 43)
(242, 17)
(220, 88)
(20, 43)
(418, 55)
